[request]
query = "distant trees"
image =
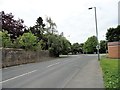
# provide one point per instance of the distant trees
(113, 34)
(77, 48)
(90, 45)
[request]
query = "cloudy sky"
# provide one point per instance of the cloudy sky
(71, 16)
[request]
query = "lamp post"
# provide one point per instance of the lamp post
(97, 47)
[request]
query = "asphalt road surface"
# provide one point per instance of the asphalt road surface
(77, 71)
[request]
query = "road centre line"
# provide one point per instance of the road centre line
(18, 76)
(53, 64)
(25, 73)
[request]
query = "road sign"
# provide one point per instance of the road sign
(98, 47)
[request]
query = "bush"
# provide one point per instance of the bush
(5, 40)
(27, 41)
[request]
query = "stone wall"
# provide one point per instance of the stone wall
(114, 50)
(11, 57)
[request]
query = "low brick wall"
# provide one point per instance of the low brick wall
(114, 50)
(11, 57)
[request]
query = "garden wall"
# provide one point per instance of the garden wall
(114, 50)
(11, 57)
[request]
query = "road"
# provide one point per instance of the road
(78, 71)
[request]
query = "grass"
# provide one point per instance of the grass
(111, 74)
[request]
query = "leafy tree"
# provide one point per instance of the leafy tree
(38, 29)
(5, 40)
(90, 45)
(27, 41)
(103, 46)
(81, 47)
(12, 26)
(65, 45)
(38, 47)
(113, 34)
(52, 26)
(54, 45)
(58, 45)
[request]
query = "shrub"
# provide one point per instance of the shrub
(5, 40)
(27, 41)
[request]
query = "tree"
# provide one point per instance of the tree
(54, 45)
(113, 34)
(52, 26)
(58, 45)
(65, 45)
(38, 29)
(81, 47)
(90, 45)
(5, 40)
(103, 46)
(27, 41)
(12, 26)
(76, 48)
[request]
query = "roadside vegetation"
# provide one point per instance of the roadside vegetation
(111, 73)
(43, 35)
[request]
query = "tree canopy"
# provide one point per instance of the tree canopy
(40, 36)
(45, 36)
(113, 34)
(12, 26)
(90, 45)
(27, 41)
(103, 46)
(77, 48)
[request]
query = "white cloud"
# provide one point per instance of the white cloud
(71, 16)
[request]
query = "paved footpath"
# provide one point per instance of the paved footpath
(89, 77)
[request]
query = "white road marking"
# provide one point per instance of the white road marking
(18, 76)
(5, 68)
(53, 64)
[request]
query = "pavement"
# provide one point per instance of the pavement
(73, 71)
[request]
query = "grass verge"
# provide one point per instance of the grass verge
(111, 73)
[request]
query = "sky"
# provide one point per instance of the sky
(71, 16)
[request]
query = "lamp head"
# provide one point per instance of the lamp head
(90, 8)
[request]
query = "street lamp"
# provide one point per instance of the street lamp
(97, 47)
